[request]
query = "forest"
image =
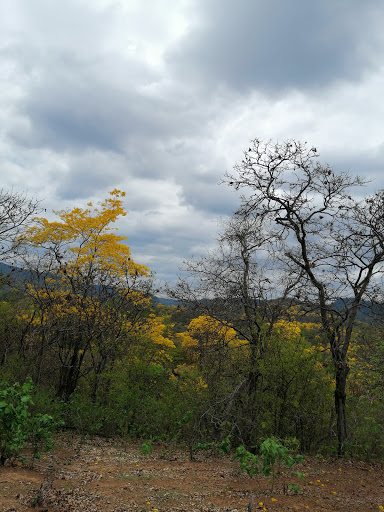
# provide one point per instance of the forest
(276, 334)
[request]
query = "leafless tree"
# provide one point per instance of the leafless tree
(243, 287)
(331, 243)
(16, 209)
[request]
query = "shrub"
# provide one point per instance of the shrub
(274, 460)
(146, 448)
(17, 425)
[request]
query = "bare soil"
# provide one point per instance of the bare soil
(98, 475)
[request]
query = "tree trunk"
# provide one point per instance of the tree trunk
(341, 371)
(69, 375)
(98, 371)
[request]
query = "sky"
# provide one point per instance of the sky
(159, 98)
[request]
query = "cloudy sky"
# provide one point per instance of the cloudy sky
(159, 98)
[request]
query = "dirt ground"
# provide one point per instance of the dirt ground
(98, 475)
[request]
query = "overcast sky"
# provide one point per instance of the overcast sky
(159, 98)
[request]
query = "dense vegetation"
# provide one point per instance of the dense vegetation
(248, 354)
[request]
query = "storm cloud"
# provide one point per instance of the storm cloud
(275, 45)
(160, 98)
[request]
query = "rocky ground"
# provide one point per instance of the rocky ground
(98, 475)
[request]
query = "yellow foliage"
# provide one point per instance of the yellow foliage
(189, 379)
(149, 343)
(186, 340)
(82, 242)
(84, 252)
(204, 332)
(153, 329)
(210, 331)
(287, 329)
(90, 277)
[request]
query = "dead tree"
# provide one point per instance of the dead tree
(332, 243)
(246, 289)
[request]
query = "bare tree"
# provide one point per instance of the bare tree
(15, 211)
(244, 288)
(330, 242)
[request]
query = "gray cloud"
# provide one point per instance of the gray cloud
(159, 99)
(275, 45)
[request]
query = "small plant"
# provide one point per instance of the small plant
(223, 446)
(17, 426)
(164, 454)
(204, 446)
(294, 487)
(249, 463)
(146, 448)
(274, 461)
(41, 428)
(14, 402)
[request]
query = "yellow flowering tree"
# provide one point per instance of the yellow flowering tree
(219, 355)
(215, 348)
(297, 383)
(89, 294)
(242, 288)
(205, 335)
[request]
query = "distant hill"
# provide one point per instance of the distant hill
(5, 269)
(166, 302)
(19, 276)
(366, 312)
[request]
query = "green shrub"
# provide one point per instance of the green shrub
(273, 461)
(41, 428)
(366, 431)
(146, 448)
(84, 415)
(14, 425)
(17, 425)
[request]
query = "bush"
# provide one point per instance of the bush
(40, 429)
(366, 431)
(273, 460)
(17, 425)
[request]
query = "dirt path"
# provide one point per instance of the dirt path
(104, 476)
